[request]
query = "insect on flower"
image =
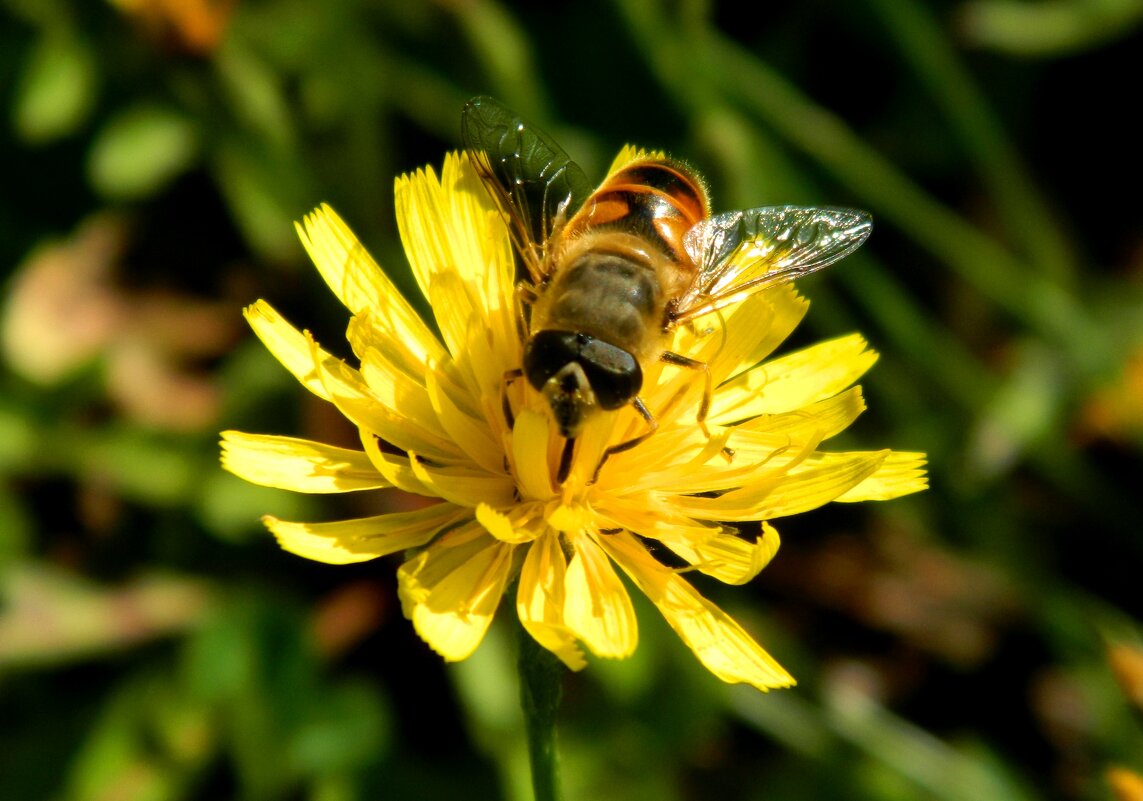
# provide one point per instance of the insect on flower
(503, 416)
(613, 271)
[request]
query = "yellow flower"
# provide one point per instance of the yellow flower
(431, 418)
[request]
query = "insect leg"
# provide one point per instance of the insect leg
(526, 295)
(505, 405)
(708, 391)
(566, 460)
(626, 445)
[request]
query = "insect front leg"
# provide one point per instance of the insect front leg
(526, 295)
(626, 445)
(506, 405)
(566, 461)
(708, 390)
(708, 387)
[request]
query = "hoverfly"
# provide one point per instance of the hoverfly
(612, 271)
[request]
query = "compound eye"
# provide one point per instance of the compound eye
(548, 352)
(614, 374)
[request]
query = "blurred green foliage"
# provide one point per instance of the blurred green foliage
(155, 644)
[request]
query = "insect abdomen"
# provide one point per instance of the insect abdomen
(655, 199)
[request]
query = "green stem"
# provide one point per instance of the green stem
(540, 674)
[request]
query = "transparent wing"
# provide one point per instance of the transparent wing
(740, 252)
(532, 178)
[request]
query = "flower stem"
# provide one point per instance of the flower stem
(540, 674)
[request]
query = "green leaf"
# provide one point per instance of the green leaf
(348, 727)
(15, 528)
(140, 150)
(265, 194)
(56, 92)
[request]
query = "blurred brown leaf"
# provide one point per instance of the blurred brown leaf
(62, 311)
(938, 602)
(50, 616)
(192, 26)
(347, 615)
(67, 309)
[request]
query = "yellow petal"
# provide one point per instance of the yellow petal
(287, 344)
(472, 434)
(599, 434)
(787, 308)
(530, 454)
(298, 465)
(597, 608)
(480, 359)
(569, 519)
(463, 485)
(672, 458)
(451, 589)
(645, 513)
(394, 389)
(396, 469)
(335, 381)
(723, 646)
(747, 336)
(453, 233)
(484, 254)
(730, 342)
(753, 452)
(756, 460)
(502, 527)
(726, 555)
(358, 282)
(818, 421)
(791, 382)
(802, 489)
(457, 311)
(347, 389)
(740, 336)
(900, 474)
(347, 541)
(716, 550)
(540, 599)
